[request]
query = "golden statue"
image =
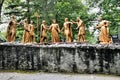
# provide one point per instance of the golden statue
(11, 30)
(43, 32)
(26, 33)
(104, 33)
(31, 32)
(67, 30)
(81, 33)
(54, 28)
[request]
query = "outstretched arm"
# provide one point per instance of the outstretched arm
(58, 29)
(50, 28)
(79, 24)
(102, 23)
(73, 21)
(62, 29)
(18, 23)
(98, 26)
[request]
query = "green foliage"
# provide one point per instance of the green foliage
(2, 36)
(109, 10)
(60, 9)
(19, 34)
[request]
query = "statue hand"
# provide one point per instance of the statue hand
(60, 31)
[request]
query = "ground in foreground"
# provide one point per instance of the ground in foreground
(54, 76)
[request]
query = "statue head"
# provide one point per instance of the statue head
(78, 19)
(66, 19)
(43, 22)
(13, 17)
(25, 20)
(100, 19)
(54, 20)
(31, 22)
(106, 23)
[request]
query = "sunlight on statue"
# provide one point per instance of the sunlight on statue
(26, 35)
(43, 32)
(67, 30)
(81, 27)
(32, 35)
(54, 28)
(11, 29)
(104, 37)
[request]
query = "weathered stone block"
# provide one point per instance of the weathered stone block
(80, 58)
(67, 59)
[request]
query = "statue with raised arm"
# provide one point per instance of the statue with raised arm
(81, 27)
(43, 32)
(11, 29)
(104, 33)
(31, 32)
(26, 33)
(67, 30)
(54, 28)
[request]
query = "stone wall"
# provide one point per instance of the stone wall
(78, 58)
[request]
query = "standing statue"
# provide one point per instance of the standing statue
(26, 33)
(67, 30)
(81, 33)
(31, 32)
(11, 30)
(104, 33)
(54, 28)
(43, 32)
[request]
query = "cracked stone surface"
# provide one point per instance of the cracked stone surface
(63, 57)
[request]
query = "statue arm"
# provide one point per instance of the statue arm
(45, 27)
(77, 27)
(73, 22)
(18, 23)
(58, 29)
(79, 24)
(98, 26)
(62, 29)
(50, 28)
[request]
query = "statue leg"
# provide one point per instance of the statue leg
(79, 38)
(41, 40)
(67, 38)
(46, 39)
(70, 38)
(52, 39)
(83, 38)
(12, 37)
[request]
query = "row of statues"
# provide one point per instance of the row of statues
(29, 36)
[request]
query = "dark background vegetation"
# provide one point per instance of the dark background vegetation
(60, 9)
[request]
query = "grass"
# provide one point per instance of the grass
(20, 71)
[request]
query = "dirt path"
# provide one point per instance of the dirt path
(54, 76)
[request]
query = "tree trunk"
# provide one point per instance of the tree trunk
(28, 11)
(0, 13)
(1, 4)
